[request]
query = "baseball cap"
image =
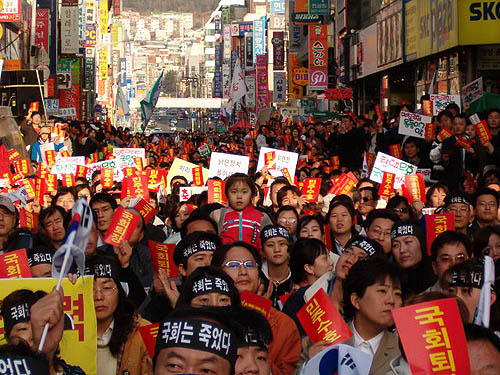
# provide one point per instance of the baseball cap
(7, 203)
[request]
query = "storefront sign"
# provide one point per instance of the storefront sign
(42, 28)
(279, 92)
(277, 6)
(278, 42)
(259, 38)
(10, 11)
(318, 56)
(319, 7)
(478, 22)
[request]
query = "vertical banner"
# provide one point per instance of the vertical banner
(103, 64)
(69, 27)
(249, 61)
(278, 42)
(259, 38)
(227, 44)
(250, 96)
(42, 29)
(318, 57)
(226, 81)
(103, 17)
(262, 83)
(279, 92)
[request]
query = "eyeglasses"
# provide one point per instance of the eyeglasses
(106, 291)
(284, 221)
(236, 264)
(400, 210)
(456, 210)
(449, 259)
(366, 199)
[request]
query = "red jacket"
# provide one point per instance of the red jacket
(241, 226)
(284, 350)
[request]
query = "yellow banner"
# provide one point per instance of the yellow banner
(479, 22)
(103, 19)
(114, 34)
(411, 29)
(103, 64)
(79, 303)
(183, 168)
(436, 33)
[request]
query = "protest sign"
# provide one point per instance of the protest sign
(287, 175)
(149, 334)
(14, 265)
(198, 176)
(136, 186)
(91, 168)
(387, 184)
(433, 337)
(444, 134)
(183, 168)
(414, 188)
(13, 155)
(426, 172)
(224, 165)
(129, 154)
(49, 146)
(216, 193)
(395, 151)
(335, 162)
(67, 165)
(51, 182)
(78, 302)
(441, 101)
(162, 256)
(387, 163)
(28, 220)
(186, 192)
(68, 180)
(343, 184)
(146, 210)
(284, 159)
(472, 92)
(483, 131)
(121, 227)
(437, 224)
(321, 320)
(430, 129)
(413, 124)
(311, 188)
(107, 178)
(22, 166)
(270, 160)
(255, 302)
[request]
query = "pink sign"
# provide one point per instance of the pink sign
(42, 28)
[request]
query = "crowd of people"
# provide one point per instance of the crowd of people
(367, 252)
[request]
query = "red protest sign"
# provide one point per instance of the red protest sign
(50, 157)
(370, 160)
(343, 184)
(286, 173)
(22, 166)
(415, 188)
(378, 111)
(443, 134)
(13, 155)
(437, 224)
(395, 151)
(335, 162)
(149, 334)
(68, 180)
(463, 143)
(81, 171)
(130, 172)
(145, 209)
(162, 256)
(64, 153)
(121, 227)
(216, 192)
(270, 160)
(107, 178)
(255, 302)
(51, 182)
(198, 176)
(433, 337)
(27, 220)
(427, 109)
(429, 130)
(321, 320)
(139, 163)
(482, 131)
(29, 184)
(14, 265)
(387, 184)
(42, 170)
(34, 106)
(138, 187)
(311, 189)
(284, 297)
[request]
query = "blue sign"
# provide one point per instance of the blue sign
(277, 6)
(218, 85)
(259, 38)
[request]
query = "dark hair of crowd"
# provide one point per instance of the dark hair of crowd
(485, 191)
(240, 177)
(380, 214)
(304, 220)
(191, 239)
(197, 215)
(220, 255)
(103, 198)
(474, 332)
(449, 237)
(304, 251)
(186, 295)
(364, 274)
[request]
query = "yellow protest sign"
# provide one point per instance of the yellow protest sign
(183, 168)
(79, 304)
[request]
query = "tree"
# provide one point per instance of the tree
(169, 83)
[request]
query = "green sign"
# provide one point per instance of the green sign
(319, 7)
(309, 105)
(305, 18)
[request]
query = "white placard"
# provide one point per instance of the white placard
(284, 159)
(413, 124)
(67, 165)
(224, 165)
(118, 175)
(426, 172)
(440, 101)
(69, 30)
(473, 91)
(388, 163)
(125, 157)
(185, 192)
(183, 168)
